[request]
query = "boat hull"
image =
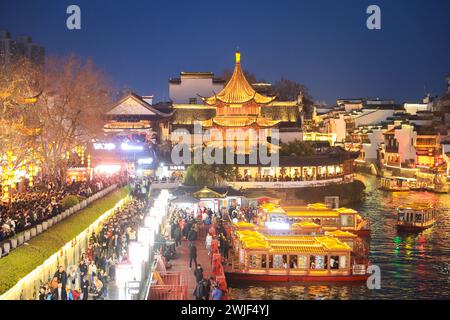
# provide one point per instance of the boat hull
(412, 228)
(363, 233)
(395, 189)
(252, 277)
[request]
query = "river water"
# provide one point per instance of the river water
(413, 266)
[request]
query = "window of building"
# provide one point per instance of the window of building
(192, 100)
(263, 261)
(347, 220)
(302, 262)
(318, 262)
(255, 261)
(334, 262)
(342, 262)
(279, 261)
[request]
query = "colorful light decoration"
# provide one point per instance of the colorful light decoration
(82, 155)
(27, 169)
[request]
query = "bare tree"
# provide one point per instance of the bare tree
(76, 95)
(289, 90)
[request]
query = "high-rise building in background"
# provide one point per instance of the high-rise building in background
(23, 46)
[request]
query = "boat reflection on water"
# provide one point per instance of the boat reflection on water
(413, 265)
(280, 291)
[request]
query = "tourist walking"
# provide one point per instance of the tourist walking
(177, 235)
(208, 243)
(192, 235)
(192, 255)
(198, 273)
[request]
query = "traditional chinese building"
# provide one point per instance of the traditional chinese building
(135, 115)
(239, 106)
(133, 127)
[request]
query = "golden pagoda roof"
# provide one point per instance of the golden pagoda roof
(238, 90)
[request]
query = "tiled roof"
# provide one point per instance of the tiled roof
(238, 90)
(133, 104)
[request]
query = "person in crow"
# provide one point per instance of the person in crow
(42, 293)
(206, 288)
(61, 275)
(192, 235)
(187, 228)
(85, 288)
(225, 248)
(59, 293)
(200, 290)
(216, 293)
(192, 255)
(177, 235)
(82, 266)
(208, 283)
(198, 273)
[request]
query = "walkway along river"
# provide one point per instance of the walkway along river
(413, 266)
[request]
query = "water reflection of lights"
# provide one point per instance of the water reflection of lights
(409, 241)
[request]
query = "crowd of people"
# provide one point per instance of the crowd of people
(185, 224)
(97, 266)
(44, 201)
(239, 213)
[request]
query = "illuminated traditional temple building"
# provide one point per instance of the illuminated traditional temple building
(239, 106)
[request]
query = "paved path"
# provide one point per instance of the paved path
(181, 264)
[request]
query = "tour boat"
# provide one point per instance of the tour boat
(320, 215)
(258, 257)
(397, 184)
(415, 217)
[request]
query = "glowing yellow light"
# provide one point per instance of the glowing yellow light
(238, 57)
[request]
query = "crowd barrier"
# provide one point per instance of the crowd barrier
(27, 235)
(68, 255)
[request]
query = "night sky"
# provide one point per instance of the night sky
(322, 44)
